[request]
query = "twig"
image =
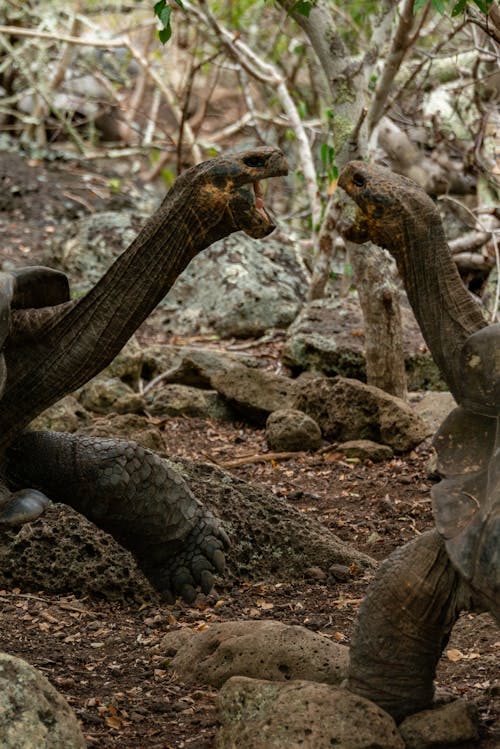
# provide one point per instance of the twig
(400, 44)
(261, 458)
(468, 242)
(267, 73)
(60, 604)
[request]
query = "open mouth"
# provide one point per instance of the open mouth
(258, 222)
(259, 200)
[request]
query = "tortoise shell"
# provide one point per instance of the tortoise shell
(27, 288)
(466, 503)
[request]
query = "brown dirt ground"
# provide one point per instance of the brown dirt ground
(105, 658)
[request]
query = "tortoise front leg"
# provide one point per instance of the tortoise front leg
(404, 624)
(134, 495)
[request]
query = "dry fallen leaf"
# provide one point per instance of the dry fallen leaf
(262, 604)
(454, 655)
(113, 721)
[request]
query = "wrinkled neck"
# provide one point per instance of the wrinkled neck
(84, 336)
(444, 309)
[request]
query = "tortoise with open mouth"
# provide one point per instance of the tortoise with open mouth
(51, 345)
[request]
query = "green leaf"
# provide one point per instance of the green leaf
(439, 6)
(302, 7)
(418, 5)
(179, 3)
(483, 5)
(458, 7)
(302, 109)
(159, 7)
(165, 16)
(165, 34)
(324, 153)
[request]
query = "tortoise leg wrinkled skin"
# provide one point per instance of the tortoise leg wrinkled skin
(136, 496)
(404, 624)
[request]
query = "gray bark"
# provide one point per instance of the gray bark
(348, 80)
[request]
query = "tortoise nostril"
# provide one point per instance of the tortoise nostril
(358, 179)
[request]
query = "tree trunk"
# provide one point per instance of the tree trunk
(348, 81)
(379, 298)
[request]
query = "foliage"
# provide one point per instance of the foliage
(164, 13)
(457, 6)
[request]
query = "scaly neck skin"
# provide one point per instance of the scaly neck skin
(86, 335)
(444, 309)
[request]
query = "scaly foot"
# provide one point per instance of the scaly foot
(195, 564)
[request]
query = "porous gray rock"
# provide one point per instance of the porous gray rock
(190, 366)
(289, 429)
(269, 538)
(258, 714)
(105, 395)
(130, 427)
(347, 409)
(63, 552)
(327, 337)
(433, 407)
(240, 287)
(90, 245)
(183, 400)
(127, 366)
(365, 450)
(257, 649)
(445, 726)
(254, 393)
(67, 415)
(33, 715)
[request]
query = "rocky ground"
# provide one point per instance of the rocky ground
(107, 658)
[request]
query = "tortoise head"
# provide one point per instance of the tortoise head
(387, 206)
(224, 194)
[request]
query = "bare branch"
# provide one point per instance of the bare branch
(400, 44)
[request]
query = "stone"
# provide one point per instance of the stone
(257, 649)
(62, 552)
(183, 400)
(105, 395)
(67, 415)
(33, 715)
(258, 714)
(254, 393)
(340, 572)
(127, 365)
(433, 407)
(131, 427)
(288, 429)
(347, 409)
(327, 337)
(89, 246)
(366, 450)
(239, 288)
(191, 366)
(445, 726)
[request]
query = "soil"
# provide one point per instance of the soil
(105, 659)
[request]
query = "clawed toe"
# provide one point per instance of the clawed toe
(195, 566)
(23, 507)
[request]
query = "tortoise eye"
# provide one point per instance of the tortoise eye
(358, 180)
(254, 161)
